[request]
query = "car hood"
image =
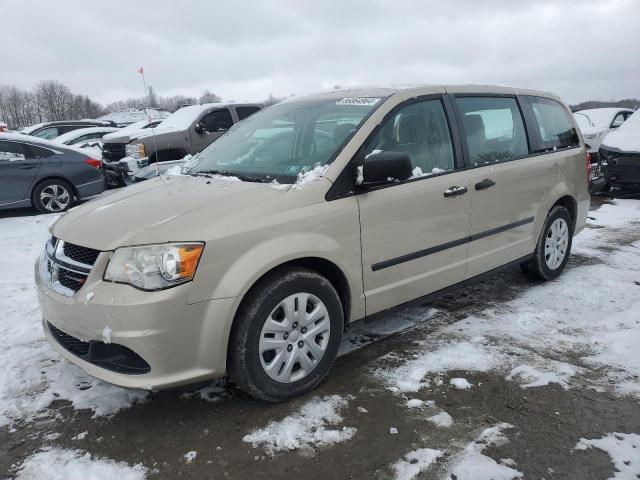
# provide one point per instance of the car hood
(625, 140)
(165, 209)
(127, 137)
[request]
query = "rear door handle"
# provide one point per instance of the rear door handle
(484, 184)
(454, 191)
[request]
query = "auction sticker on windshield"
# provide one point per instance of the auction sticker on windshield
(358, 101)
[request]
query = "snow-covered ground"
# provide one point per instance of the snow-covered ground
(581, 330)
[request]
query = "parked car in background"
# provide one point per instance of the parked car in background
(83, 136)
(51, 130)
(88, 139)
(253, 261)
(48, 176)
(619, 163)
(596, 123)
(3, 127)
(188, 131)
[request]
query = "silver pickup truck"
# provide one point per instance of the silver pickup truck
(187, 131)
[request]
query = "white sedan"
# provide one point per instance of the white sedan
(89, 139)
(596, 123)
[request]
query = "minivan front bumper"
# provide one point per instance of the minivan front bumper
(181, 343)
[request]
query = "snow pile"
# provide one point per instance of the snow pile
(559, 373)
(59, 464)
(624, 450)
(190, 456)
(471, 464)
(590, 313)
(415, 462)
(412, 375)
(311, 176)
(460, 383)
(175, 171)
(418, 173)
(211, 393)
(32, 373)
(442, 419)
(304, 429)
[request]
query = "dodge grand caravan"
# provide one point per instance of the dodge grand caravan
(305, 217)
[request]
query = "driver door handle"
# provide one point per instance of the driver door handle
(454, 191)
(484, 184)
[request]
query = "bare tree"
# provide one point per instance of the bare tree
(209, 97)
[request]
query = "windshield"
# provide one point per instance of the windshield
(286, 139)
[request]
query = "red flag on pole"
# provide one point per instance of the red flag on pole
(141, 71)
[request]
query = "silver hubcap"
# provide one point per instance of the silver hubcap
(556, 243)
(294, 337)
(55, 198)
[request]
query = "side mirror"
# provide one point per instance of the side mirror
(200, 127)
(385, 167)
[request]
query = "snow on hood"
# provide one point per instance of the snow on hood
(626, 137)
(181, 208)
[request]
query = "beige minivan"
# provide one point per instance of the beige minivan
(305, 217)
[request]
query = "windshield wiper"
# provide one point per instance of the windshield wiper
(227, 173)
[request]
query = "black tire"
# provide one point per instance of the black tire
(537, 267)
(244, 363)
(53, 184)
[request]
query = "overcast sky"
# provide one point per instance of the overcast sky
(244, 50)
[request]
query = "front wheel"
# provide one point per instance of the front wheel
(553, 248)
(53, 196)
(286, 335)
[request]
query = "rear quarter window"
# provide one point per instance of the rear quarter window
(244, 112)
(554, 127)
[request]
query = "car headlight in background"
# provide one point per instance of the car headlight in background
(135, 150)
(154, 267)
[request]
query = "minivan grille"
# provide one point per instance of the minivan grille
(85, 255)
(67, 265)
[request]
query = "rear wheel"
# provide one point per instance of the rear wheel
(53, 196)
(286, 336)
(554, 246)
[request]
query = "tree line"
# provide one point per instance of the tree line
(51, 100)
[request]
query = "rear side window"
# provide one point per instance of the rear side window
(47, 133)
(554, 126)
(37, 152)
(421, 131)
(244, 112)
(11, 151)
(493, 129)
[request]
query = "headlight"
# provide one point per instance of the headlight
(154, 267)
(135, 150)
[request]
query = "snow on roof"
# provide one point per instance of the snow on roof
(132, 115)
(73, 134)
(627, 136)
(183, 118)
(602, 117)
(21, 137)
